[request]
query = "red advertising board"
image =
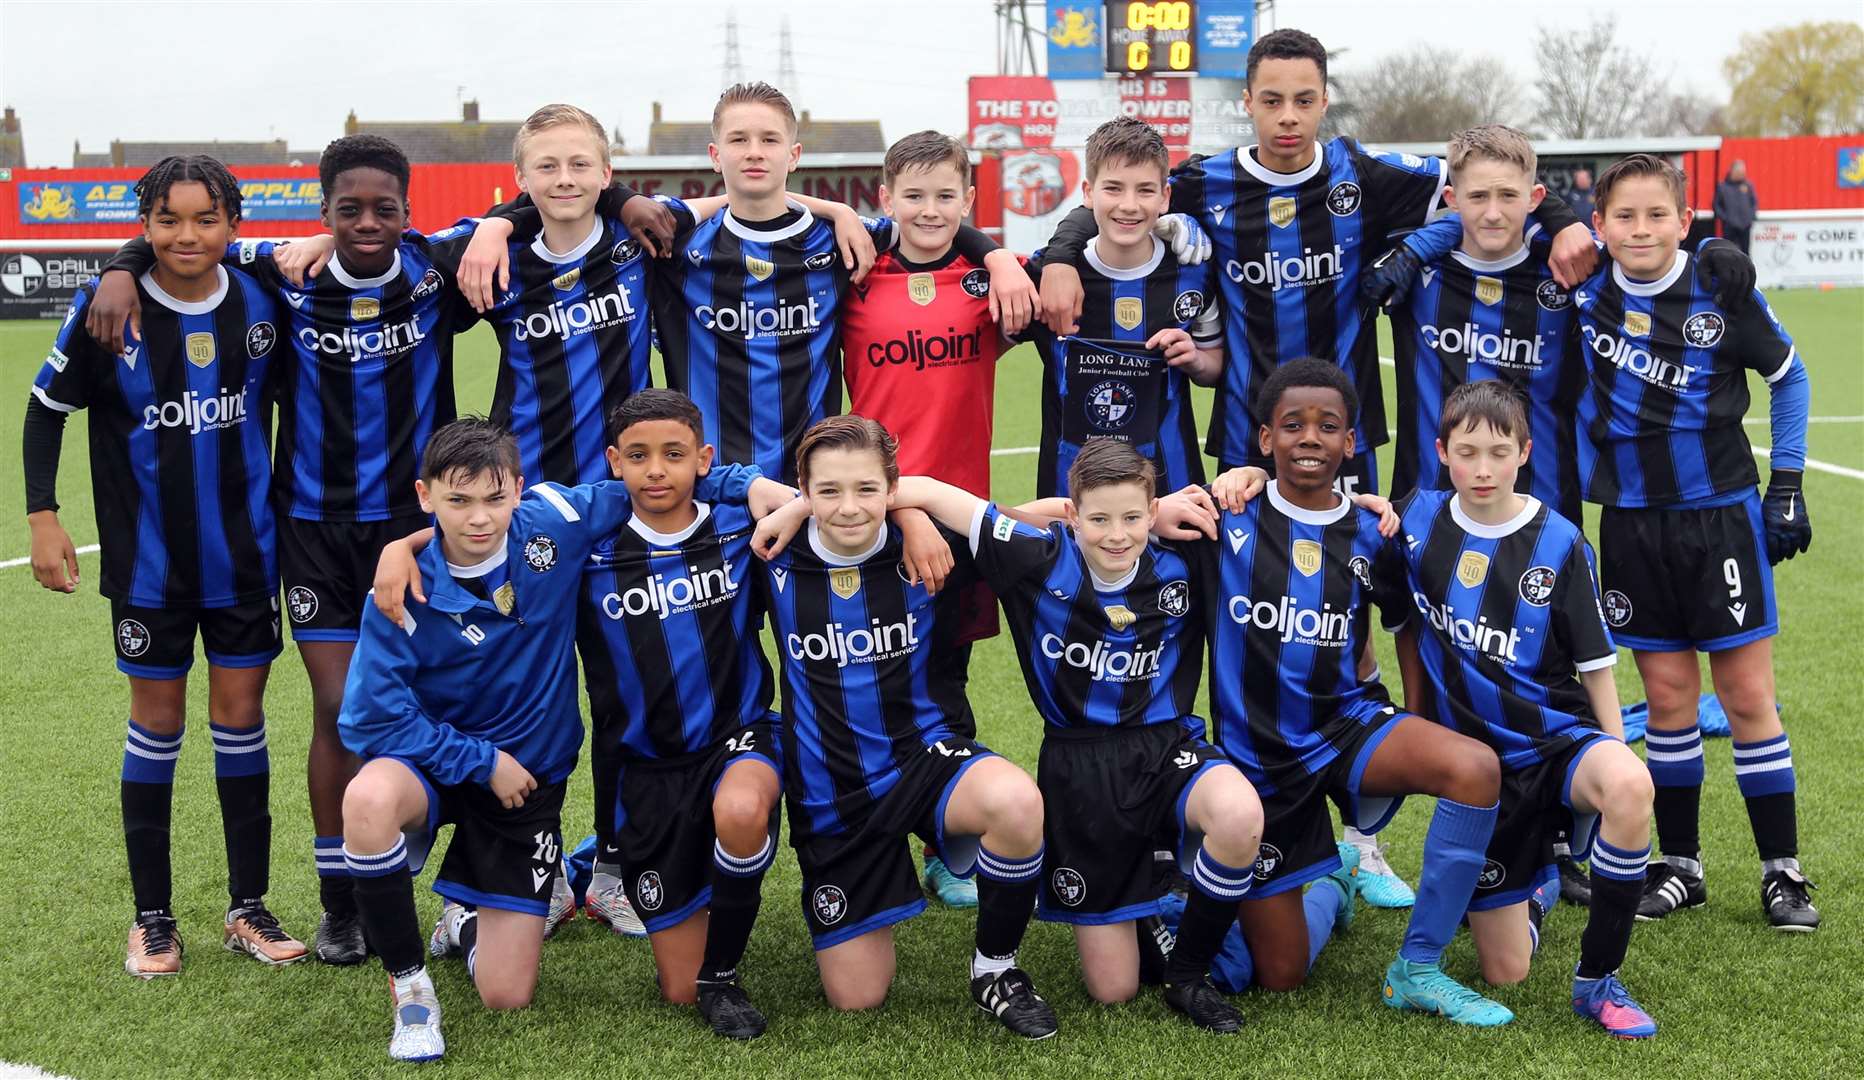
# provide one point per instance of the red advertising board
(1012, 111)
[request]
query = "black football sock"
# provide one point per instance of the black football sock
(1209, 910)
(385, 900)
(243, 775)
(148, 794)
(737, 893)
(1006, 899)
(1155, 946)
(605, 764)
(1617, 885)
(469, 943)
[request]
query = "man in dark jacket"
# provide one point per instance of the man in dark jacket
(1735, 204)
(1579, 197)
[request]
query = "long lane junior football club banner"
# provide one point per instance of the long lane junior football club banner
(87, 202)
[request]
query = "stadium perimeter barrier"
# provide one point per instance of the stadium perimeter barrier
(58, 226)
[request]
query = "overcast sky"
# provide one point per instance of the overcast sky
(257, 70)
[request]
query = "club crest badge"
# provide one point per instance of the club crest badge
(540, 553)
(1305, 554)
(1537, 585)
(200, 348)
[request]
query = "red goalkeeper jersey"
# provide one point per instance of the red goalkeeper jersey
(919, 355)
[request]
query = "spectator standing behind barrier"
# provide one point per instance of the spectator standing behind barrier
(1735, 204)
(1580, 197)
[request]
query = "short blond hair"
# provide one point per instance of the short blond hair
(557, 115)
(1492, 142)
(754, 93)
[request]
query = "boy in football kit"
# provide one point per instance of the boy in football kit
(1506, 642)
(181, 473)
(1149, 327)
(364, 380)
(1109, 647)
(870, 750)
(1491, 309)
(1292, 575)
(465, 713)
(920, 342)
(1686, 541)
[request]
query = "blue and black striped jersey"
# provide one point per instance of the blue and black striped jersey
(1095, 654)
(1289, 248)
(181, 474)
(855, 642)
(747, 317)
(1668, 388)
(1506, 617)
(368, 378)
(1288, 613)
(1507, 319)
(667, 631)
(1104, 383)
(573, 343)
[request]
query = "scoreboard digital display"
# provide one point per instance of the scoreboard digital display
(1151, 38)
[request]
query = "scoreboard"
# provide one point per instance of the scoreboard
(1150, 38)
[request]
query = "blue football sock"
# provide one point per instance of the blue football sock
(1321, 905)
(1453, 856)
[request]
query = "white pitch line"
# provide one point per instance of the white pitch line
(10, 1070)
(1820, 466)
(1816, 466)
(1810, 420)
(10, 563)
(1012, 451)
(1388, 362)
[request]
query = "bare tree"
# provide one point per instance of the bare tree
(1686, 114)
(1429, 93)
(1591, 88)
(1343, 108)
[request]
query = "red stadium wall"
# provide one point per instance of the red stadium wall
(1800, 173)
